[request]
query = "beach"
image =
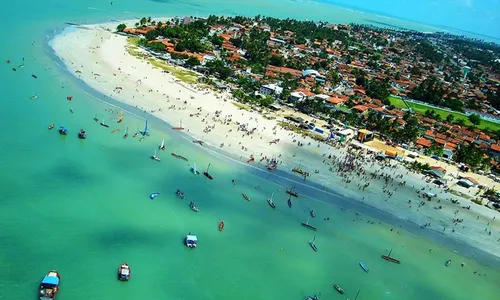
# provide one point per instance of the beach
(97, 56)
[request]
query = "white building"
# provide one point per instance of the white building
(297, 97)
(271, 89)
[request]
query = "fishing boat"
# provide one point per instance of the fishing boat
(162, 145)
(124, 272)
(357, 294)
(69, 98)
(153, 195)
(50, 286)
(191, 241)
(313, 297)
(95, 118)
(199, 142)
(245, 196)
(104, 124)
(208, 174)
(82, 134)
(391, 259)
(292, 192)
(178, 127)
(194, 207)
(270, 201)
(313, 245)
(193, 169)
(300, 171)
(312, 213)
(137, 132)
(115, 130)
(121, 117)
(364, 267)
(145, 131)
(272, 166)
(179, 194)
(307, 225)
(251, 160)
(155, 157)
(179, 156)
(338, 288)
(51, 126)
(221, 225)
(126, 134)
(448, 262)
(63, 130)
(289, 202)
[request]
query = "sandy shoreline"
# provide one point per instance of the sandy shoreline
(99, 58)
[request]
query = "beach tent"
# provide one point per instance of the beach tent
(465, 183)
(435, 173)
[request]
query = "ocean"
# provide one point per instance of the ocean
(82, 207)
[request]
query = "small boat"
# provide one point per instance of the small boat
(49, 286)
(193, 169)
(208, 174)
(313, 297)
(199, 142)
(357, 294)
(155, 157)
(63, 130)
(124, 272)
(289, 202)
(121, 117)
(82, 134)
(251, 160)
(126, 134)
(221, 225)
(338, 288)
(179, 194)
(194, 207)
(312, 213)
(307, 225)
(145, 131)
(271, 203)
(245, 196)
(69, 98)
(51, 126)
(34, 76)
(291, 191)
(71, 110)
(448, 262)
(391, 259)
(104, 124)
(364, 267)
(178, 127)
(300, 171)
(95, 118)
(153, 195)
(115, 131)
(191, 241)
(179, 156)
(162, 145)
(272, 166)
(313, 245)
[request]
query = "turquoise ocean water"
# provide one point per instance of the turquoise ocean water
(82, 207)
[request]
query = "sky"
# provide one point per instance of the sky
(477, 16)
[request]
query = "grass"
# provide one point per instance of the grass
(179, 73)
(422, 108)
(303, 132)
(241, 105)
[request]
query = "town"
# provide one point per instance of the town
(433, 93)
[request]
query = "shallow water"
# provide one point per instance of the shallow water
(82, 207)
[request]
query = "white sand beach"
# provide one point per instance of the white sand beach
(99, 58)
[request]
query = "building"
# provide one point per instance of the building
(297, 97)
(271, 89)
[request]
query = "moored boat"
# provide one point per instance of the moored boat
(391, 259)
(179, 156)
(124, 272)
(82, 134)
(313, 245)
(313, 297)
(364, 267)
(50, 286)
(271, 203)
(194, 207)
(153, 195)
(289, 202)
(179, 194)
(448, 262)
(63, 130)
(155, 157)
(51, 126)
(194, 170)
(338, 288)
(221, 225)
(246, 196)
(191, 241)
(307, 225)
(126, 134)
(104, 124)
(312, 213)
(208, 174)
(291, 191)
(162, 145)
(178, 127)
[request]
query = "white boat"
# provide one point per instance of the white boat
(191, 241)
(162, 146)
(194, 170)
(155, 157)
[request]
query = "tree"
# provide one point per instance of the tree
(121, 27)
(475, 119)
(277, 61)
(192, 61)
(216, 40)
(143, 21)
(450, 118)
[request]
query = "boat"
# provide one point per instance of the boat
(69, 98)
(208, 174)
(313, 297)
(245, 196)
(153, 195)
(95, 118)
(193, 169)
(121, 117)
(145, 131)
(49, 286)
(301, 172)
(51, 126)
(162, 145)
(104, 124)
(124, 272)
(126, 134)
(357, 294)
(273, 165)
(82, 134)
(292, 192)
(289, 202)
(194, 207)
(391, 259)
(448, 262)
(115, 130)
(63, 130)
(155, 157)
(179, 156)
(313, 245)
(307, 225)
(191, 241)
(270, 201)
(200, 142)
(221, 225)
(364, 267)
(179, 194)
(338, 288)
(251, 160)
(178, 127)
(71, 110)
(312, 213)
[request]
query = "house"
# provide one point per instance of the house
(297, 97)
(271, 89)
(447, 153)
(494, 150)
(322, 97)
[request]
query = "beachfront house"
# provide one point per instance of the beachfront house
(272, 90)
(296, 97)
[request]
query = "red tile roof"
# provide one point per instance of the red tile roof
(424, 142)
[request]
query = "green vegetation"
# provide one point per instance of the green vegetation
(303, 132)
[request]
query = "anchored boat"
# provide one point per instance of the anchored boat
(50, 286)
(292, 192)
(270, 201)
(208, 174)
(245, 196)
(307, 225)
(124, 272)
(191, 240)
(63, 130)
(155, 157)
(162, 145)
(178, 127)
(153, 195)
(313, 245)
(82, 134)
(338, 288)
(391, 259)
(364, 267)
(194, 207)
